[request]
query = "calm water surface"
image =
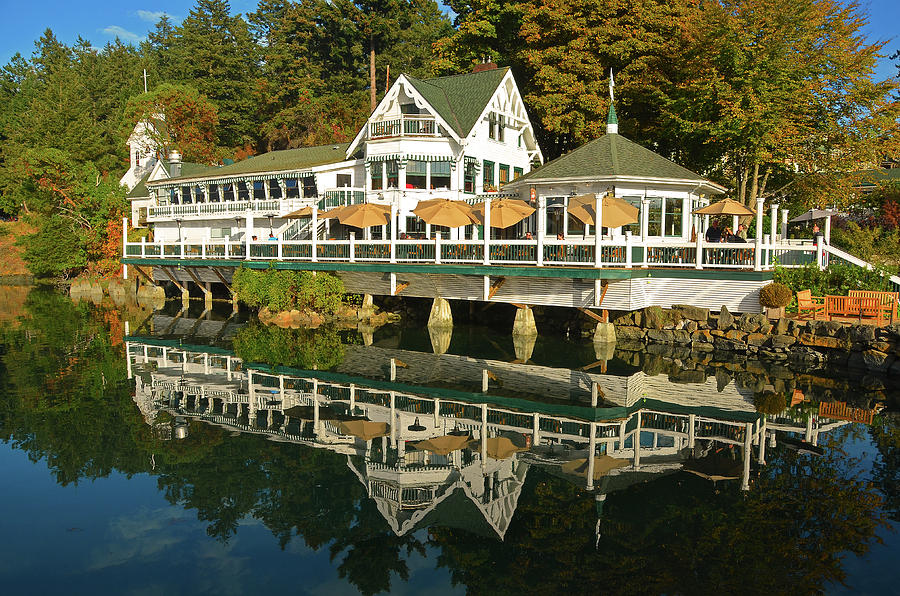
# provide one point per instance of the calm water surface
(178, 454)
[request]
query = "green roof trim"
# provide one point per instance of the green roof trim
(610, 155)
(460, 99)
(273, 161)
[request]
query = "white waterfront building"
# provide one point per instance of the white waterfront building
(455, 137)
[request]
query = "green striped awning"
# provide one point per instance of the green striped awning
(384, 157)
(166, 184)
(449, 158)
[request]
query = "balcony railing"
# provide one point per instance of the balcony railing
(624, 253)
(338, 197)
(223, 209)
(415, 126)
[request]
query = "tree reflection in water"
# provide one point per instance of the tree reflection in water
(65, 399)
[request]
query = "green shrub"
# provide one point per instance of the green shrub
(775, 295)
(280, 290)
(769, 402)
(835, 280)
(309, 349)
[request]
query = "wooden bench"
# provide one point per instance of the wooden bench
(811, 305)
(859, 307)
(886, 300)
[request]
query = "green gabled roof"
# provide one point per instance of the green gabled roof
(273, 161)
(610, 155)
(140, 190)
(460, 99)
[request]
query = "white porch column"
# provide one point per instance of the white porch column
(773, 235)
(592, 448)
(628, 250)
(828, 230)
(267, 192)
(394, 226)
(314, 231)
(757, 253)
(735, 220)
(598, 229)
(248, 232)
(541, 228)
(636, 437)
(487, 230)
(784, 222)
(352, 246)
(645, 219)
(745, 481)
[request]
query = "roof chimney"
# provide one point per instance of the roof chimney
(485, 64)
(174, 164)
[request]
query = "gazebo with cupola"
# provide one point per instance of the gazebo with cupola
(665, 193)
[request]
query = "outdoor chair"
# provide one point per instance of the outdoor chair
(810, 305)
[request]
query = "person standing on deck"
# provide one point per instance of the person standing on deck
(742, 232)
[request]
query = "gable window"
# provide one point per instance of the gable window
(492, 126)
(376, 169)
(393, 173)
(517, 172)
(440, 174)
(501, 127)
(487, 176)
(416, 173)
(504, 174)
(470, 169)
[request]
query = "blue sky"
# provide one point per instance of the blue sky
(100, 21)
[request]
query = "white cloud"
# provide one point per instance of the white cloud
(121, 33)
(152, 16)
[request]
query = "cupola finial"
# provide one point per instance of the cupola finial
(612, 122)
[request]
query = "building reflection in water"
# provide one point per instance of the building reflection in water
(429, 454)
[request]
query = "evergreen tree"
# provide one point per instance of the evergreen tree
(214, 52)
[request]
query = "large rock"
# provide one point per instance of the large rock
(655, 317)
(701, 336)
(816, 341)
(862, 334)
(663, 336)
(694, 313)
(726, 319)
(782, 341)
(749, 323)
(626, 332)
(756, 339)
(876, 360)
(781, 326)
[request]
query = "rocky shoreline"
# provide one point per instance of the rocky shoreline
(855, 346)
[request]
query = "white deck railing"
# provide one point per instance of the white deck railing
(225, 209)
(624, 253)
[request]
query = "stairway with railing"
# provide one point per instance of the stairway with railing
(830, 254)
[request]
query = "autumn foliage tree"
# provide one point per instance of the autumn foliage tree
(178, 117)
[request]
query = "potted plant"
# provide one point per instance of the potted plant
(775, 297)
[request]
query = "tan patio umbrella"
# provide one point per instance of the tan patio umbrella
(446, 212)
(505, 212)
(616, 212)
(501, 447)
(365, 215)
(725, 207)
(332, 213)
(365, 429)
(444, 445)
(603, 464)
(302, 212)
